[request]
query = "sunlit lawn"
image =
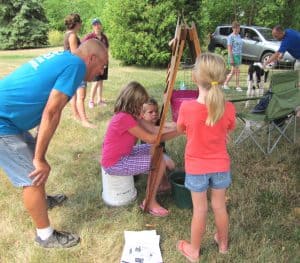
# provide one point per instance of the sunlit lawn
(263, 199)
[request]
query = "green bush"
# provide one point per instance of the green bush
(57, 10)
(139, 31)
(55, 38)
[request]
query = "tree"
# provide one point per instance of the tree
(23, 24)
(57, 10)
(139, 31)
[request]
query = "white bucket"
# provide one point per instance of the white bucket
(117, 190)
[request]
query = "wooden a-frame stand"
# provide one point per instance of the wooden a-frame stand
(183, 34)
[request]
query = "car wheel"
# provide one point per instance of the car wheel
(265, 57)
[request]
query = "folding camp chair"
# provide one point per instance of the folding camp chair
(268, 128)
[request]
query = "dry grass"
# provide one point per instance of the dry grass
(263, 199)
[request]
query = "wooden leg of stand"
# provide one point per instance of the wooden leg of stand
(152, 181)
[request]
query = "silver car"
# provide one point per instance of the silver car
(258, 43)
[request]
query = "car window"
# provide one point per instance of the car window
(250, 34)
(267, 33)
(225, 31)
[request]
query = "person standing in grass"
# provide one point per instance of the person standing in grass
(290, 42)
(206, 123)
(120, 154)
(234, 46)
(71, 42)
(97, 84)
(35, 94)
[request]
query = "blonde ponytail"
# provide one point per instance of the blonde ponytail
(210, 73)
(215, 102)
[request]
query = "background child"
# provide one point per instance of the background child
(206, 123)
(120, 154)
(234, 46)
(97, 84)
(150, 114)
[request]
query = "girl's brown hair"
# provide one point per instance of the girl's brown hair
(71, 21)
(210, 73)
(131, 99)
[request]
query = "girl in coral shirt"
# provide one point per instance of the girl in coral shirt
(206, 123)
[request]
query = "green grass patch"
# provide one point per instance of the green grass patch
(15, 57)
(263, 200)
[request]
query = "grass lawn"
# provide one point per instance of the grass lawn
(263, 201)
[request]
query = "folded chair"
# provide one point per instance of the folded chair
(268, 128)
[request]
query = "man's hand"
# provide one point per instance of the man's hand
(41, 172)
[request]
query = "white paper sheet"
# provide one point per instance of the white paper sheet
(141, 247)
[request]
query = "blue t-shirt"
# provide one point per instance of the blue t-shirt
(236, 42)
(24, 93)
(291, 43)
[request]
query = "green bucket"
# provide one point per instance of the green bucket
(181, 195)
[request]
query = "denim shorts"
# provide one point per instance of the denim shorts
(16, 155)
(83, 84)
(201, 182)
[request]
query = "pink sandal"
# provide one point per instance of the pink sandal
(159, 212)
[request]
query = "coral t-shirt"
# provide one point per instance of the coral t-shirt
(118, 142)
(206, 150)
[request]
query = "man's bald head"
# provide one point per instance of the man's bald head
(278, 32)
(95, 55)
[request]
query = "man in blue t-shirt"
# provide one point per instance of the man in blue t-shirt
(35, 94)
(290, 42)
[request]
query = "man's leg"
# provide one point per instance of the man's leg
(16, 153)
(35, 203)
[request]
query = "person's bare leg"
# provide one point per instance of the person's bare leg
(100, 99)
(35, 203)
(218, 202)
(81, 108)
(74, 108)
(199, 220)
(153, 204)
(229, 76)
(198, 224)
(93, 93)
(165, 184)
(237, 76)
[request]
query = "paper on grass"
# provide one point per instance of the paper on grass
(141, 247)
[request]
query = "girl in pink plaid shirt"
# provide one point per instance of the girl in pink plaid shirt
(120, 154)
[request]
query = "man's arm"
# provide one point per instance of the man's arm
(276, 56)
(49, 122)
